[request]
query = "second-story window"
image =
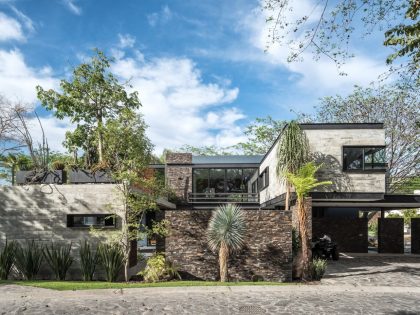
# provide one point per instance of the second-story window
(263, 179)
(364, 158)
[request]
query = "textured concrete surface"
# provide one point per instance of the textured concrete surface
(290, 299)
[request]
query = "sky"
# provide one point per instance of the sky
(200, 67)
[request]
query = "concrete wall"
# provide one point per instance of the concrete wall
(326, 145)
(39, 212)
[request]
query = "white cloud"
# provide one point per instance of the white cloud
(161, 17)
(27, 22)
(18, 80)
(70, 4)
(179, 107)
(126, 40)
(10, 29)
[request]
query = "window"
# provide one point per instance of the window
(263, 179)
(364, 158)
(88, 220)
(254, 187)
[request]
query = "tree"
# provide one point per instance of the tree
(292, 153)
(303, 181)
(329, 26)
(211, 150)
(137, 188)
(261, 134)
(11, 163)
(398, 108)
(225, 234)
(92, 96)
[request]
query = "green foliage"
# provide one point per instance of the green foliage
(7, 259)
(211, 150)
(373, 228)
(92, 96)
(58, 165)
(295, 242)
(29, 259)
(304, 179)
(407, 215)
(112, 260)
(13, 162)
(158, 268)
(227, 226)
(89, 259)
(293, 149)
(318, 267)
(59, 259)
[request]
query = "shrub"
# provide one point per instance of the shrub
(158, 268)
(88, 260)
(58, 165)
(29, 259)
(7, 259)
(59, 259)
(112, 260)
(318, 267)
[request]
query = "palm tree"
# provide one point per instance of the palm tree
(304, 181)
(225, 234)
(14, 162)
(292, 153)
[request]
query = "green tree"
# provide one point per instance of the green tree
(11, 163)
(303, 181)
(292, 153)
(225, 234)
(92, 96)
(397, 106)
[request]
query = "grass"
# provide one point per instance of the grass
(89, 285)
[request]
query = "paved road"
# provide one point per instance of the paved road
(290, 299)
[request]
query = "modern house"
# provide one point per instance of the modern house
(353, 158)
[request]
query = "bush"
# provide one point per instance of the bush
(59, 259)
(112, 260)
(7, 259)
(88, 260)
(158, 268)
(318, 267)
(29, 259)
(58, 165)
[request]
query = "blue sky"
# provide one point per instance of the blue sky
(199, 66)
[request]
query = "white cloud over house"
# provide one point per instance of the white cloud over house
(10, 29)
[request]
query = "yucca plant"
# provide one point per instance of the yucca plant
(59, 259)
(29, 259)
(304, 181)
(88, 260)
(112, 260)
(225, 234)
(7, 259)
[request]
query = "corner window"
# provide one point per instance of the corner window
(88, 220)
(364, 158)
(263, 179)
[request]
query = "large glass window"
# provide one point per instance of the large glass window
(364, 158)
(200, 180)
(88, 220)
(217, 180)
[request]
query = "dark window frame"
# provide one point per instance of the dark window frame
(106, 216)
(363, 169)
(263, 179)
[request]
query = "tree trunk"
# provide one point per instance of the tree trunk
(13, 174)
(287, 201)
(127, 264)
(223, 262)
(304, 239)
(100, 140)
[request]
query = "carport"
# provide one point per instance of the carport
(337, 215)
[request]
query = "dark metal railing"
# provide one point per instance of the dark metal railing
(223, 198)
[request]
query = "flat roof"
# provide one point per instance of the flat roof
(227, 159)
(314, 126)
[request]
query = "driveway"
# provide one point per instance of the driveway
(374, 270)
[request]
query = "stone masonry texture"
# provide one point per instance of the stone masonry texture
(267, 253)
(179, 174)
(391, 235)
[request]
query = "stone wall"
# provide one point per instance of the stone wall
(415, 235)
(39, 212)
(179, 174)
(391, 235)
(267, 254)
(349, 234)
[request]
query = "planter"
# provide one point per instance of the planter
(31, 177)
(85, 177)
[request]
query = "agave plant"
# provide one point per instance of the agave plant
(88, 260)
(225, 234)
(7, 259)
(112, 260)
(29, 259)
(59, 259)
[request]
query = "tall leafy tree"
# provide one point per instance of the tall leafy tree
(303, 181)
(292, 154)
(91, 96)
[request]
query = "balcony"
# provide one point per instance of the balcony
(219, 198)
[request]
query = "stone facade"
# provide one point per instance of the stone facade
(267, 254)
(415, 235)
(179, 174)
(349, 234)
(391, 235)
